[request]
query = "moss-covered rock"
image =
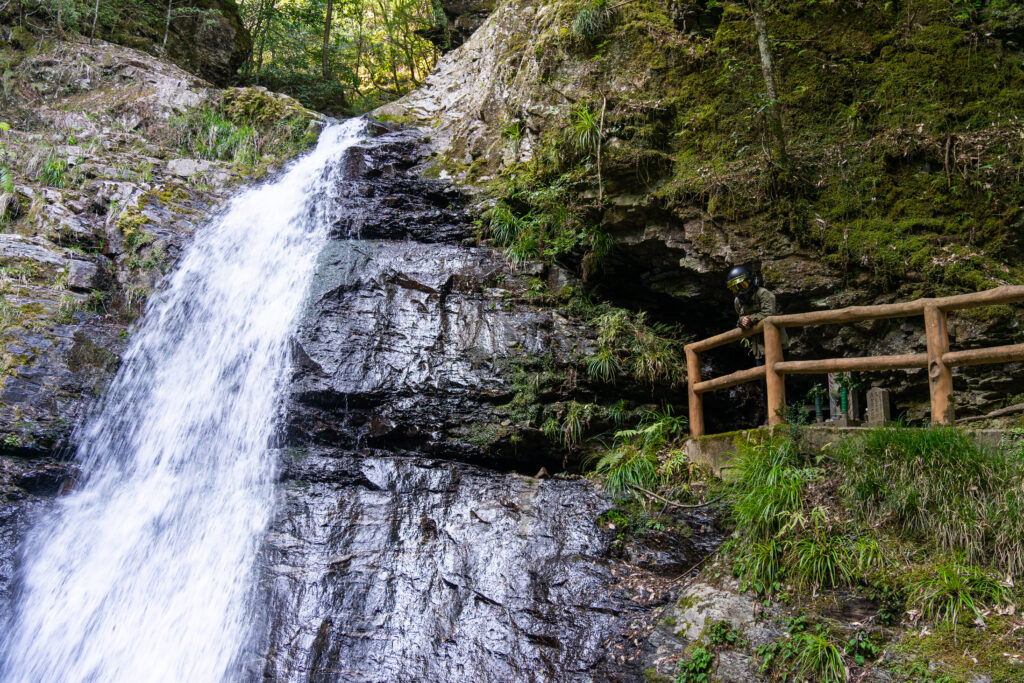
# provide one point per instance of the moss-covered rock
(904, 145)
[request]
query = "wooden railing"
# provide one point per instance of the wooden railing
(938, 360)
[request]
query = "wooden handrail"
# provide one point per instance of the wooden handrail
(821, 367)
(726, 381)
(938, 360)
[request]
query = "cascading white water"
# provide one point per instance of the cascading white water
(145, 572)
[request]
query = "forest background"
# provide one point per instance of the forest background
(335, 56)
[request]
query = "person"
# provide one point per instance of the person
(753, 304)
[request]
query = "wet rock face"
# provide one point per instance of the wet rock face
(389, 568)
(391, 557)
(407, 337)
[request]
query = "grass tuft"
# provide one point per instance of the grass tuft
(956, 591)
(939, 486)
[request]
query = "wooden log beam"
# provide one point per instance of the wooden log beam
(940, 375)
(851, 314)
(825, 366)
(732, 335)
(696, 401)
(994, 354)
(1007, 294)
(726, 381)
(775, 381)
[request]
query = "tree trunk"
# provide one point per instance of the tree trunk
(327, 38)
(768, 70)
(167, 24)
(60, 13)
(268, 8)
(95, 15)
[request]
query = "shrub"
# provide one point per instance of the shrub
(54, 172)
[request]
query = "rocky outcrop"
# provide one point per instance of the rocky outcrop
(204, 37)
(688, 189)
(385, 568)
(209, 39)
(412, 339)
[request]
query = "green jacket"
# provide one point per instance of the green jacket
(758, 307)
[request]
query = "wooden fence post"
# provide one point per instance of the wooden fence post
(774, 380)
(940, 376)
(696, 399)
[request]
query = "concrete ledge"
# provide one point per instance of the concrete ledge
(717, 451)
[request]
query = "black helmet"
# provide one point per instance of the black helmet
(740, 281)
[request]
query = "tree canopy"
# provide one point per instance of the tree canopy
(340, 55)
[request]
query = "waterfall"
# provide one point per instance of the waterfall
(145, 572)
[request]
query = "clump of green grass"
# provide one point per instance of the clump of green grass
(818, 658)
(781, 536)
(938, 485)
(584, 130)
(955, 591)
(627, 343)
(207, 134)
(54, 172)
(591, 20)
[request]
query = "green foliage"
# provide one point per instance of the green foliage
(780, 536)
(768, 490)
(591, 20)
(721, 634)
(584, 130)
(570, 430)
(6, 179)
(657, 429)
(954, 591)
(940, 486)
(696, 669)
(54, 172)
(66, 309)
(207, 134)
(818, 658)
(628, 343)
(245, 127)
(634, 457)
(537, 221)
(625, 466)
(808, 655)
(376, 51)
(821, 557)
(862, 649)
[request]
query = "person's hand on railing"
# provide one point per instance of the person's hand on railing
(746, 322)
